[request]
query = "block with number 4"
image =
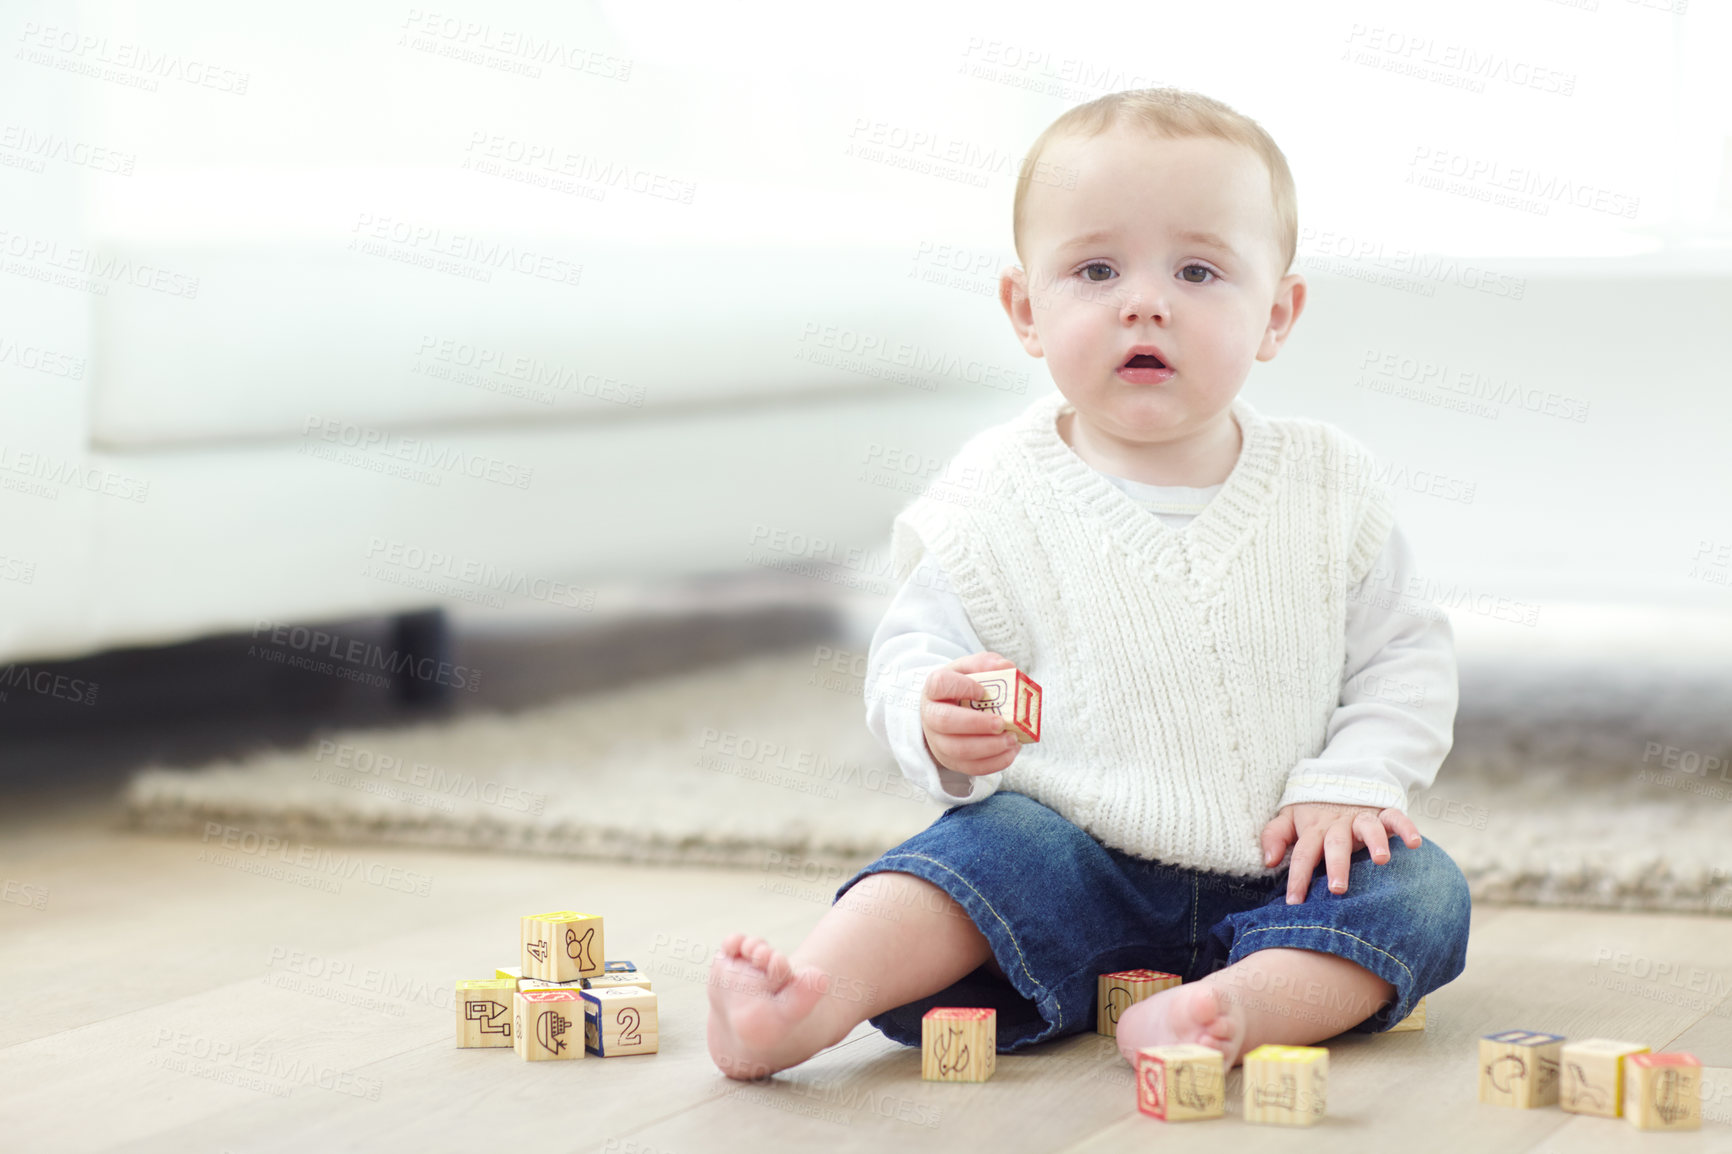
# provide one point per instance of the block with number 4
(484, 1012)
(562, 946)
(548, 1025)
(620, 1021)
(1014, 696)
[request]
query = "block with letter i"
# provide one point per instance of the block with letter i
(619, 1021)
(1519, 1068)
(562, 946)
(1117, 991)
(1663, 1091)
(548, 1025)
(1592, 1075)
(1181, 1083)
(1014, 696)
(958, 1044)
(484, 1012)
(1286, 1085)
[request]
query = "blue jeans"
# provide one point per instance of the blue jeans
(1059, 908)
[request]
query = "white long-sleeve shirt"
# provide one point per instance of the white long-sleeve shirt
(1388, 736)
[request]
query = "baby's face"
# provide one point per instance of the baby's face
(1120, 261)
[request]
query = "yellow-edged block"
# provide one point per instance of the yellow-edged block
(958, 1044)
(562, 946)
(1181, 1083)
(1519, 1068)
(620, 1021)
(549, 1025)
(1413, 1021)
(515, 973)
(1663, 1091)
(1286, 1085)
(1593, 1075)
(1116, 992)
(484, 1012)
(1014, 696)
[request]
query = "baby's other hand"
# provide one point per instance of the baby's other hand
(960, 737)
(1334, 833)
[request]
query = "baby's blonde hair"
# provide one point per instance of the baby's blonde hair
(1170, 114)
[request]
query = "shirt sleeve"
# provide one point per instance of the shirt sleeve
(925, 627)
(1399, 692)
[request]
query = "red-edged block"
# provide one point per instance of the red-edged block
(1014, 696)
(1180, 1083)
(1663, 1091)
(958, 1043)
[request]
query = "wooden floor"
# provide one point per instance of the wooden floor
(172, 995)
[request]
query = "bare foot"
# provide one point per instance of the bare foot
(1193, 1012)
(761, 1012)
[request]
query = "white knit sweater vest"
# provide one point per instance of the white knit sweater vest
(1184, 671)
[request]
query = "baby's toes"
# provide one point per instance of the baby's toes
(730, 947)
(779, 969)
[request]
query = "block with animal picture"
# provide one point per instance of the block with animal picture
(548, 1025)
(1181, 1083)
(1286, 1085)
(958, 1044)
(1117, 991)
(1519, 1068)
(1014, 696)
(1663, 1091)
(1591, 1075)
(484, 1012)
(1413, 1021)
(620, 1021)
(562, 946)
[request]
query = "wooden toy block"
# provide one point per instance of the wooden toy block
(1593, 1075)
(620, 1021)
(562, 946)
(617, 975)
(1286, 1085)
(547, 1025)
(1014, 696)
(1180, 1083)
(1413, 1021)
(958, 1044)
(515, 973)
(1117, 991)
(1663, 1091)
(484, 1012)
(1519, 1068)
(538, 984)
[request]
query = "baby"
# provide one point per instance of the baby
(1228, 703)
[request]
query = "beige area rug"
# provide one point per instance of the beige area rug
(1559, 791)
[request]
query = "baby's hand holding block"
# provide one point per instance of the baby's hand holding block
(1014, 696)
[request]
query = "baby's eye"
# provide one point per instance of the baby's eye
(1202, 267)
(1097, 264)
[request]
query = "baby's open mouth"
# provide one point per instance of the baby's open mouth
(1145, 361)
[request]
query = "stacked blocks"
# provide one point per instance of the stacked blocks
(562, 946)
(1663, 1091)
(1519, 1068)
(958, 1044)
(1014, 696)
(563, 1000)
(484, 1012)
(548, 1025)
(1286, 1085)
(621, 1020)
(1117, 991)
(1593, 1076)
(1180, 1083)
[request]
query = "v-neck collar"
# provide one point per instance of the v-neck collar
(1210, 539)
